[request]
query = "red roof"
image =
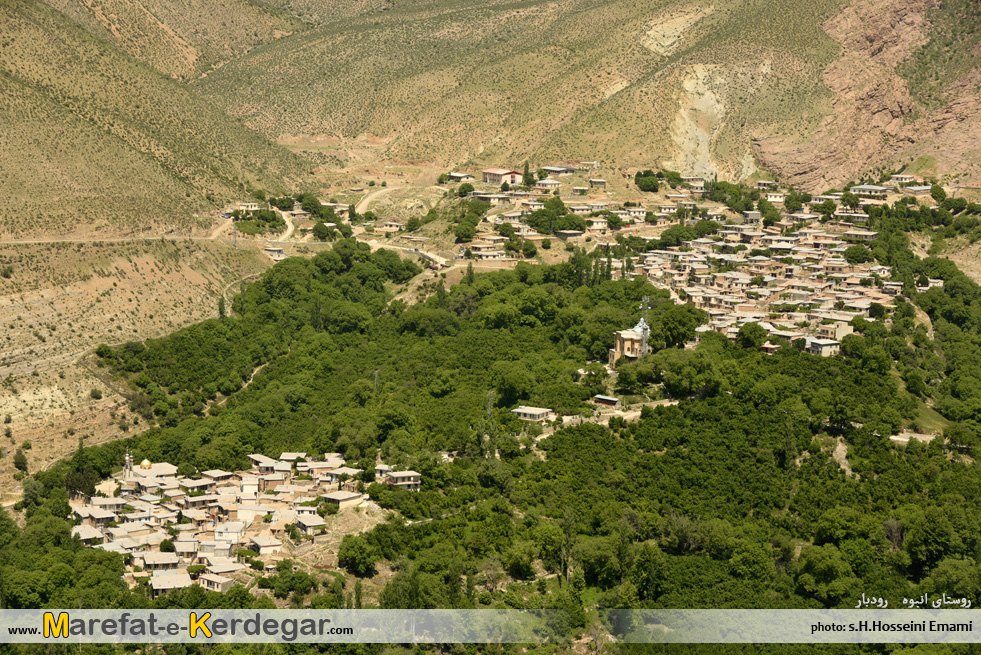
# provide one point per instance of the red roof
(501, 171)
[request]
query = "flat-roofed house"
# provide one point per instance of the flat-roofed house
(409, 480)
(212, 582)
(262, 463)
(343, 499)
(870, 191)
(217, 475)
(230, 531)
(265, 545)
(559, 170)
(87, 534)
(192, 486)
(859, 236)
(223, 565)
(526, 413)
(597, 183)
(250, 485)
(168, 581)
(112, 504)
(186, 549)
(310, 525)
(157, 561)
(822, 347)
(548, 184)
(918, 190)
(335, 476)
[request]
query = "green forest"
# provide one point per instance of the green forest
(732, 497)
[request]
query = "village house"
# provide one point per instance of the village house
(408, 480)
(157, 561)
(335, 476)
(265, 545)
(822, 347)
(499, 176)
(87, 534)
(493, 199)
(212, 582)
(310, 525)
(870, 191)
(597, 183)
(548, 184)
(559, 170)
(169, 581)
(538, 414)
(461, 177)
(343, 499)
(263, 465)
(859, 236)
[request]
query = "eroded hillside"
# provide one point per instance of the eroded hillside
(97, 142)
(905, 92)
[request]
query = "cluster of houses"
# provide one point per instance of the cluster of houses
(209, 519)
(795, 284)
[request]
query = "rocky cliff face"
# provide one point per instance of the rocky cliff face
(873, 120)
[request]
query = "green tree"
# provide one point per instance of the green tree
(549, 540)
(858, 254)
(465, 190)
(20, 460)
(321, 231)
(464, 232)
(751, 335)
(937, 193)
(650, 571)
(357, 556)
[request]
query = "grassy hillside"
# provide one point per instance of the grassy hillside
(99, 141)
(617, 81)
(951, 52)
(181, 39)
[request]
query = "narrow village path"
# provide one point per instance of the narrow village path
(840, 455)
(362, 205)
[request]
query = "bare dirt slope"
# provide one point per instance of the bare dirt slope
(63, 300)
(95, 140)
